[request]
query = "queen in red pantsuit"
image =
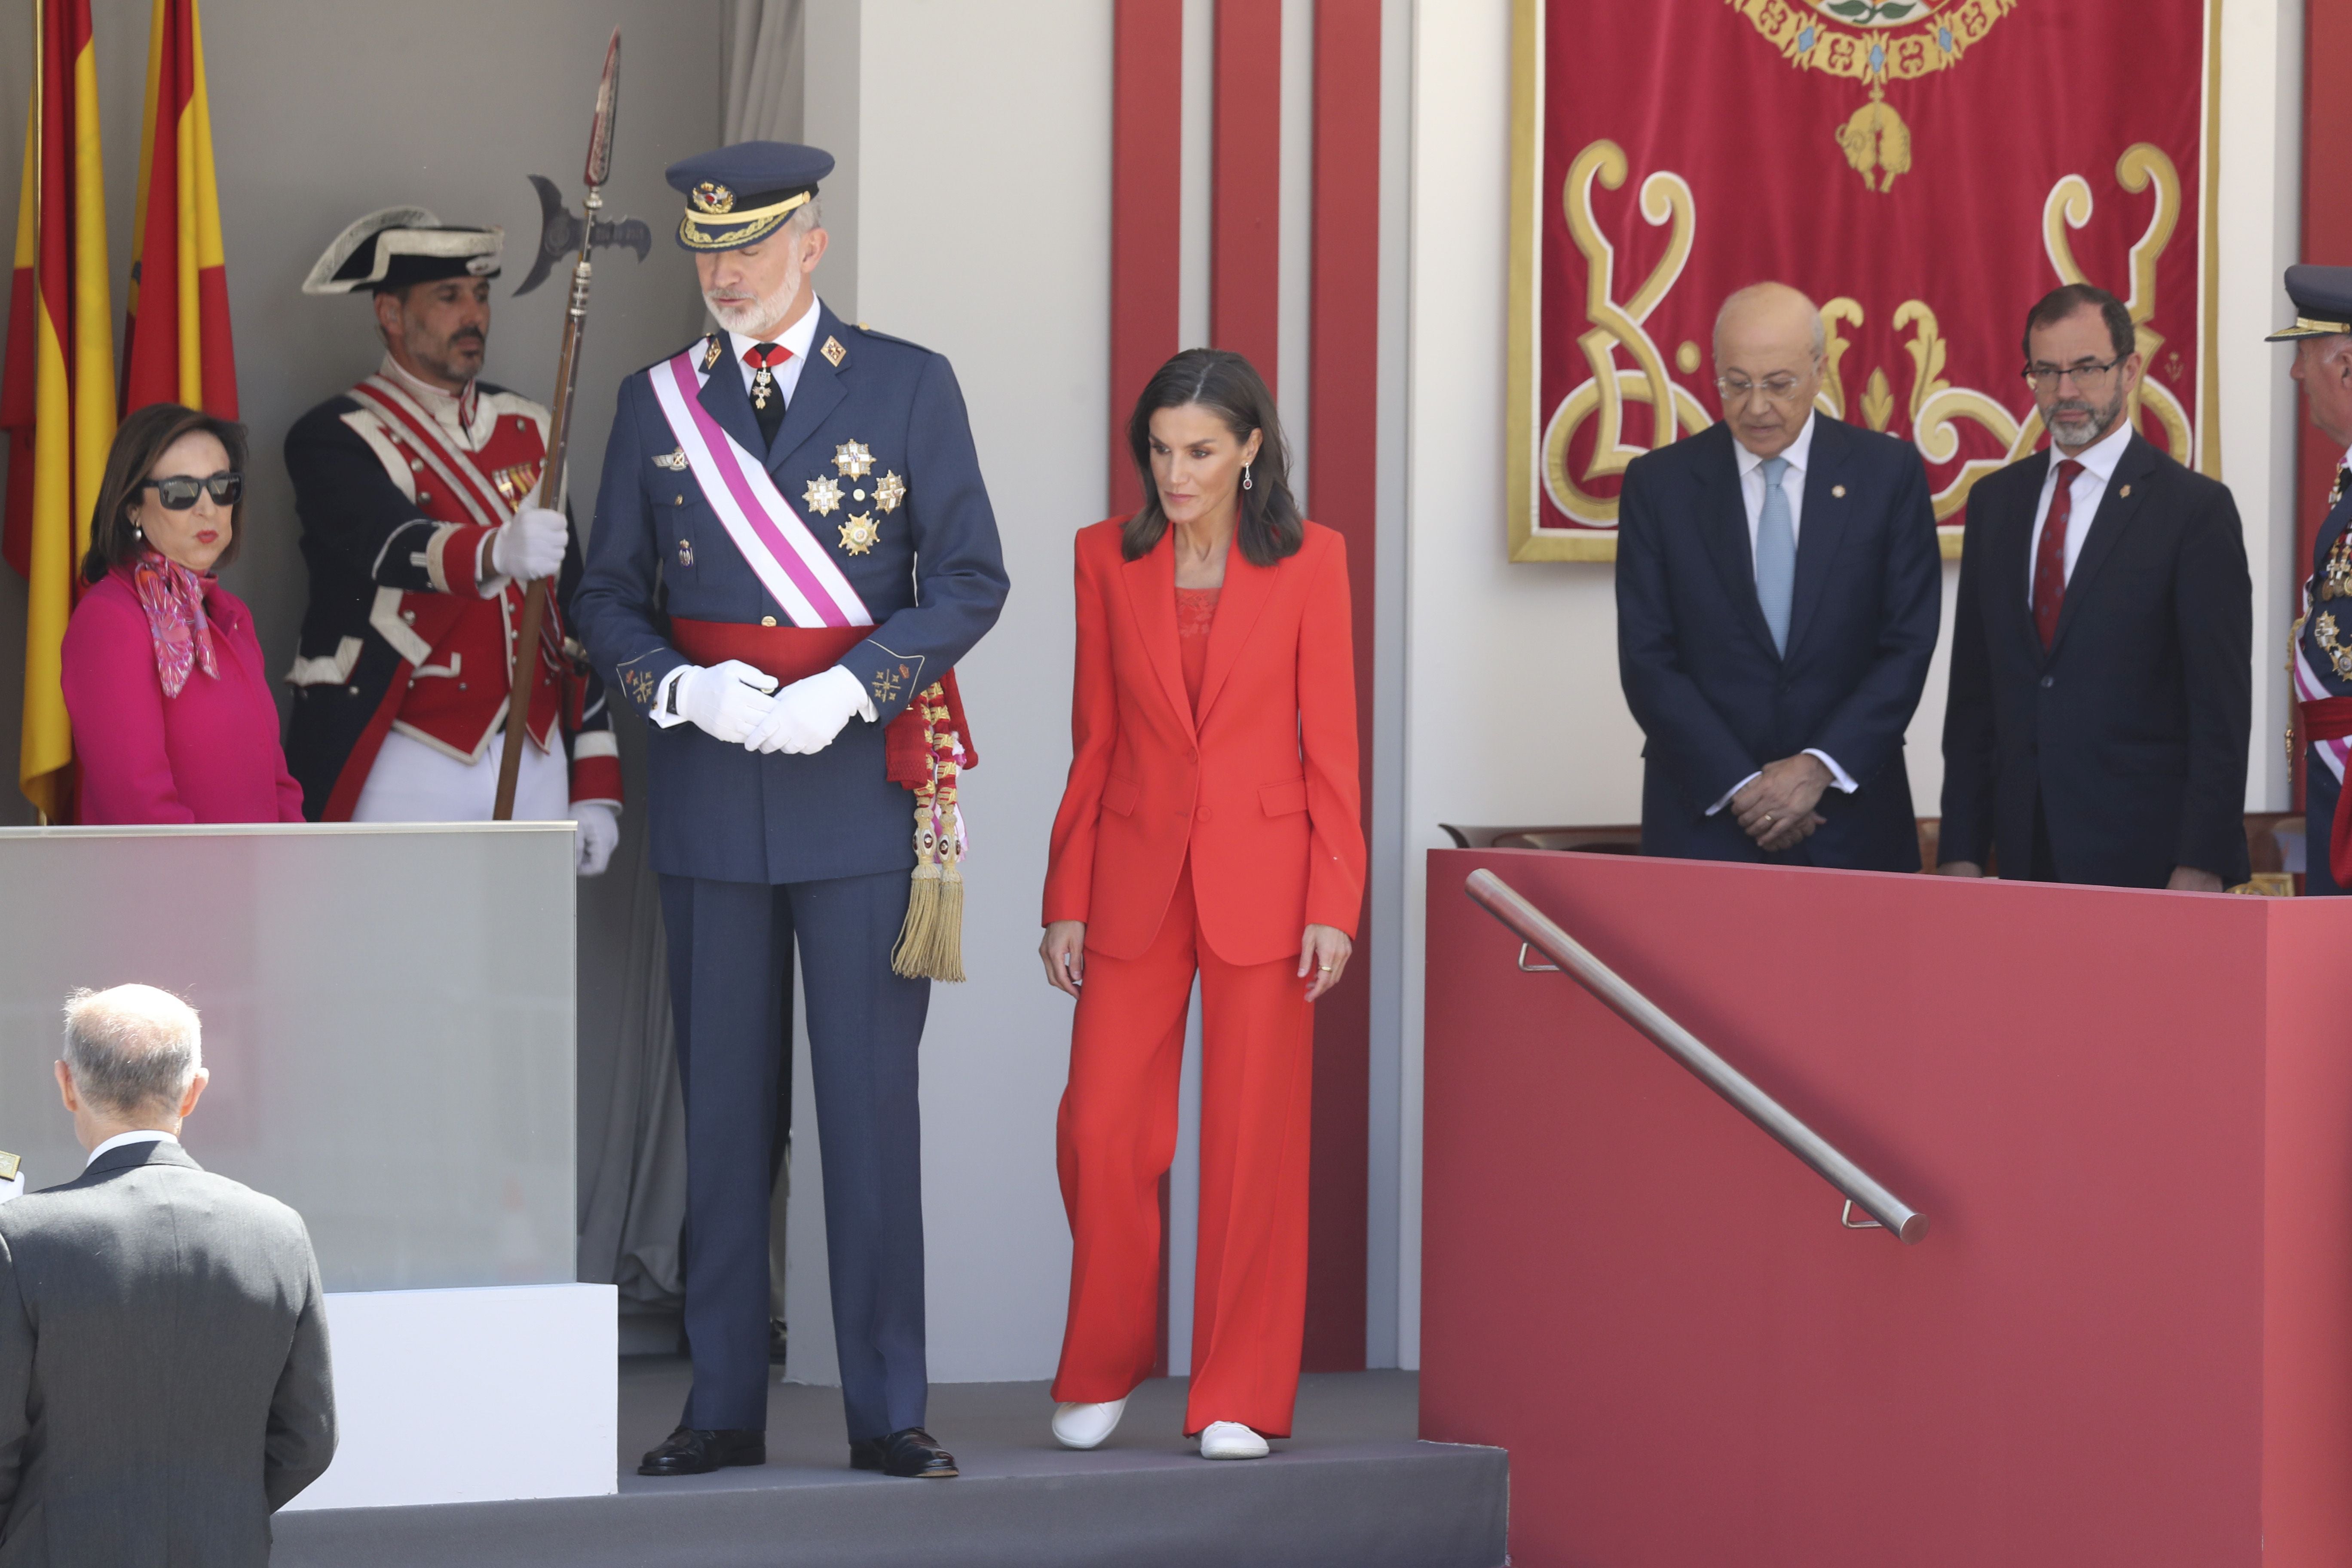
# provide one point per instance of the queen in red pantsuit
(173, 719)
(1210, 826)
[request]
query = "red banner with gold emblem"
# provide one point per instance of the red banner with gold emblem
(1924, 169)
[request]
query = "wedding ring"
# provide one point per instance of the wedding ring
(1767, 816)
(1325, 968)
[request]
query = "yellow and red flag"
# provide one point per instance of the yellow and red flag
(56, 388)
(175, 344)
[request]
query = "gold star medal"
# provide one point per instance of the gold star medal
(859, 533)
(853, 459)
(821, 495)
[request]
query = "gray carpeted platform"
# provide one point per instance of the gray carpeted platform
(1351, 1489)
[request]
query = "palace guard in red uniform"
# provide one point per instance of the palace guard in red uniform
(415, 489)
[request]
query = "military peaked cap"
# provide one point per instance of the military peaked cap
(2323, 302)
(741, 194)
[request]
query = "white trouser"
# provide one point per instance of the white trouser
(412, 782)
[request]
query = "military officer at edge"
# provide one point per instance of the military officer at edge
(2322, 657)
(792, 541)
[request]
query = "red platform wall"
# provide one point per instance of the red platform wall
(2126, 1340)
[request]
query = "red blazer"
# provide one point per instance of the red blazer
(1261, 791)
(210, 754)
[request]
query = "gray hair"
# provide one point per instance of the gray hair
(132, 1049)
(809, 214)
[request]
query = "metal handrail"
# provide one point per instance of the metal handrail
(1537, 930)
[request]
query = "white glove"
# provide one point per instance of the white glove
(530, 546)
(600, 835)
(726, 699)
(807, 715)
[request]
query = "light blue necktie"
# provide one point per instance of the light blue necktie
(1776, 554)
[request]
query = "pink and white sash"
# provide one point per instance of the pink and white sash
(798, 573)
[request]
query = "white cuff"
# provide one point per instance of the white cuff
(666, 713)
(1734, 789)
(1838, 775)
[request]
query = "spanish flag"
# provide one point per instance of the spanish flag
(56, 390)
(175, 344)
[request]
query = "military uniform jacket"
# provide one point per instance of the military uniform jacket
(399, 633)
(928, 567)
(2322, 648)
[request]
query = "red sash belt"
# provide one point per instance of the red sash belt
(796, 653)
(2330, 719)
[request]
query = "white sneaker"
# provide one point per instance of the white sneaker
(1230, 1440)
(1077, 1425)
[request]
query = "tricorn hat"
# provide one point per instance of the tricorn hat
(741, 194)
(400, 245)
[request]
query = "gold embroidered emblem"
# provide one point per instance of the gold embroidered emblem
(832, 350)
(823, 495)
(686, 552)
(853, 459)
(2324, 634)
(888, 491)
(858, 533)
(515, 484)
(710, 355)
(674, 461)
(887, 685)
(640, 687)
(713, 197)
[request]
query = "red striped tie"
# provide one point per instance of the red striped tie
(2050, 559)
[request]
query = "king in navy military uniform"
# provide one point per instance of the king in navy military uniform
(792, 544)
(2322, 660)
(420, 527)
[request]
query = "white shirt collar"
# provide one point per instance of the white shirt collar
(1799, 451)
(2101, 456)
(141, 1135)
(454, 410)
(796, 337)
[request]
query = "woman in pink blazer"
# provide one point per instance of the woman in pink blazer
(173, 719)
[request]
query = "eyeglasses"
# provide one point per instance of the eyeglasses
(2089, 375)
(179, 492)
(1737, 389)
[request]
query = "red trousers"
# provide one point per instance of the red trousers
(1117, 1137)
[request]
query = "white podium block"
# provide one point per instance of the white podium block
(421, 1374)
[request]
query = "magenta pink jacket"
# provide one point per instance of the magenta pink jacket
(210, 754)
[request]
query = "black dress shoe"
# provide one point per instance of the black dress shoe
(913, 1454)
(691, 1451)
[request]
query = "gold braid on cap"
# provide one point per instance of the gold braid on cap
(707, 231)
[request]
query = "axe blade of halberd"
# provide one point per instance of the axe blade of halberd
(559, 234)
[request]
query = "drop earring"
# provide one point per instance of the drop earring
(1247, 483)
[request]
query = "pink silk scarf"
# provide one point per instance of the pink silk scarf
(174, 598)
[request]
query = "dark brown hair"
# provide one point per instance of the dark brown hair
(2068, 297)
(139, 444)
(1228, 386)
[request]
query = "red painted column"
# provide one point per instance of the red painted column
(1245, 221)
(2327, 239)
(1343, 381)
(1147, 168)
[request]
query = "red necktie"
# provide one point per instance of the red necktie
(2049, 560)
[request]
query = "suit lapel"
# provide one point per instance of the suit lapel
(1151, 580)
(2116, 509)
(1821, 528)
(1239, 604)
(817, 395)
(2012, 555)
(1723, 532)
(723, 398)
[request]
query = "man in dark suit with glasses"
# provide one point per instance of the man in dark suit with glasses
(2101, 694)
(1777, 594)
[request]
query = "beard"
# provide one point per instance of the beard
(765, 312)
(2077, 422)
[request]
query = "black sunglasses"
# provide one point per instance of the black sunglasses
(179, 492)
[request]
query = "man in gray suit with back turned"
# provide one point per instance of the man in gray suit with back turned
(164, 1377)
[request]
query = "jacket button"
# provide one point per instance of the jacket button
(1207, 815)
(2049, 681)
(767, 620)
